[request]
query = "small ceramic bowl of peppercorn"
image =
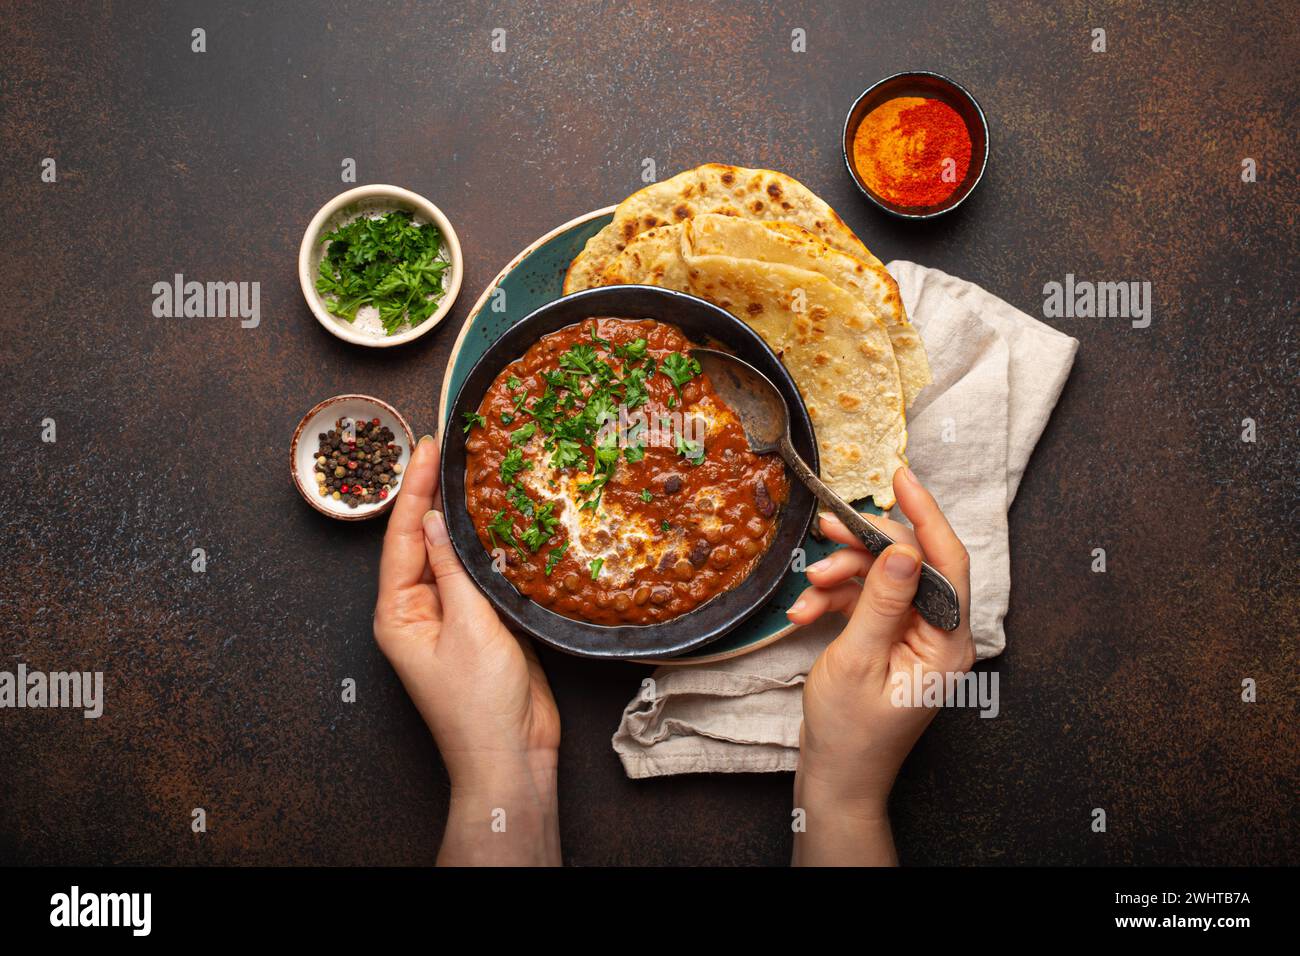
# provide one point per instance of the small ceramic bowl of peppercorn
(348, 456)
(916, 144)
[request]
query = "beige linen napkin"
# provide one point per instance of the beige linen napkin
(997, 376)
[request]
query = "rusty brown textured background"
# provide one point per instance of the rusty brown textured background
(1119, 690)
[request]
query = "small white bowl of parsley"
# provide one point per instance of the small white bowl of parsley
(379, 265)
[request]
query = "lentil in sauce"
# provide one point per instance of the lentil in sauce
(609, 480)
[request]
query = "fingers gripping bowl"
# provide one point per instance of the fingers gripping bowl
(647, 529)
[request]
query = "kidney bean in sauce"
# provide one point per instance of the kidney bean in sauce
(713, 520)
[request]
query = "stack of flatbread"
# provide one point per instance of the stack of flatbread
(762, 246)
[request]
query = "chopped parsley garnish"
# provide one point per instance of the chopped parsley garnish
(553, 557)
(595, 567)
(580, 358)
(646, 496)
(664, 525)
(692, 451)
(543, 526)
(544, 410)
(634, 390)
(567, 453)
(601, 408)
(680, 368)
(633, 351)
(607, 452)
(569, 381)
(387, 262)
(502, 526)
(606, 459)
(520, 500)
(573, 418)
(472, 419)
(512, 465)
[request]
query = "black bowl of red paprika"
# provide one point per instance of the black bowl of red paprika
(703, 324)
(916, 144)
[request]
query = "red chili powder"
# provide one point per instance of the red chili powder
(912, 151)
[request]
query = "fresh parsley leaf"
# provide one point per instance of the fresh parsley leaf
(545, 411)
(580, 358)
(543, 526)
(387, 262)
(513, 383)
(472, 419)
(520, 500)
(607, 451)
(634, 388)
(564, 381)
(632, 352)
(596, 566)
(603, 468)
(567, 454)
(601, 408)
(646, 496)
(553, 557)
(523, 433)
(507, 418)
(502, 526)
(680, 368)
(692, 451)
(513, 464)
(634, 453)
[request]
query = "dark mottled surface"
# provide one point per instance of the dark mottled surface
(1119, 690)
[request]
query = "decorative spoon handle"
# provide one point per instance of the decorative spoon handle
(936, 598)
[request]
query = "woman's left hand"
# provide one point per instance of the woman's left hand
(479, 688)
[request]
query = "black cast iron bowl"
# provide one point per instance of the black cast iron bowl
(703, 324)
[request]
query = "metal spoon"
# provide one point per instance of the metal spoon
(765, 418)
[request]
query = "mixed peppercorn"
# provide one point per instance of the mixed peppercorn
(357, 462)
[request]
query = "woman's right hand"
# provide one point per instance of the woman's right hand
(854, 737)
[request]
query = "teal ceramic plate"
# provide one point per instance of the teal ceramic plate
(535, 277)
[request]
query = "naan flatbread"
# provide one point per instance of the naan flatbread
(839, 355)
(655, 257)
(759, 194)
(836, 349)
(791, 245)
